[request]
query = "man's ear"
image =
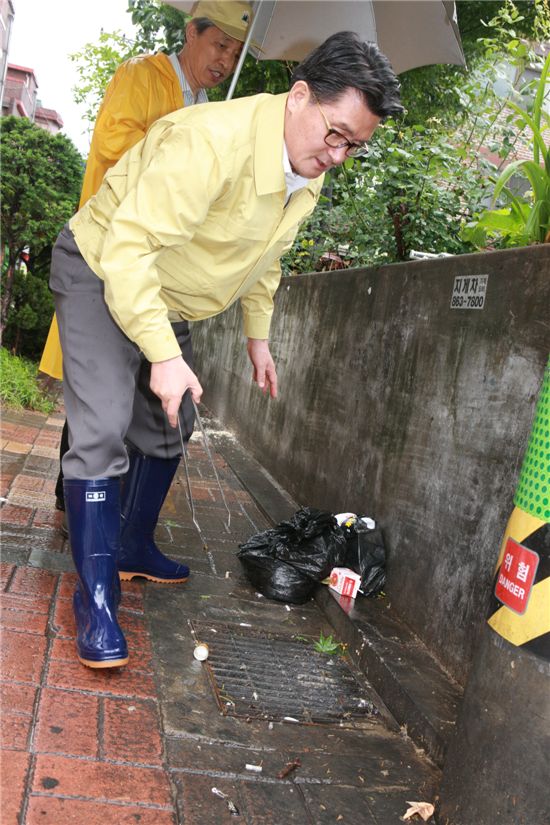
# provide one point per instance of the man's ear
(299, 95)
(190, 32)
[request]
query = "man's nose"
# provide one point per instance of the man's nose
(228, 61)
(337, 156)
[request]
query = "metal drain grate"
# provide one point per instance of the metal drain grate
(268, 676)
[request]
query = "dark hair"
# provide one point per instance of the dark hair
(344, 61)
(202, 23)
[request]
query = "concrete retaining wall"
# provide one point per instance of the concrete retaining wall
(394, 405)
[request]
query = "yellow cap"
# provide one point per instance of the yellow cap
(231, 16)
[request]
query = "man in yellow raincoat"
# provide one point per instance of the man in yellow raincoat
(193, 218)
(142, 90)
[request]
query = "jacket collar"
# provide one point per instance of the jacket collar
(268, 153)
(269, 176)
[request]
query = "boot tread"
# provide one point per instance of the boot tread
(126, 576)
(105, 663)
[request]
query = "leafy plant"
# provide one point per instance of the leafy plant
(423, 183)
(524, 219)
(414, 190)
(95, 64)
(41, 180)
(159, 26)
(18, 384)
(328, 645)
(29, 318)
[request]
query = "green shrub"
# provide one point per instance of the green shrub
(18, 385)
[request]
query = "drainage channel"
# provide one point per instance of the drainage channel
(261, 675)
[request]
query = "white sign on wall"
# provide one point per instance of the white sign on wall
(469, 292)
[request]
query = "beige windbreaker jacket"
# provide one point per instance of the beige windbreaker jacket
(192, 219)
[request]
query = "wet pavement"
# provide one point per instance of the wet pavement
(149, 742)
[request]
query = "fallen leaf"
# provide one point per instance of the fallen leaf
(423, 809)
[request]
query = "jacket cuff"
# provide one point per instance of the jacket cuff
(159, 346)
(257, 327)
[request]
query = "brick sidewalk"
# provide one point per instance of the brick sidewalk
(146, 743)
(54, 710)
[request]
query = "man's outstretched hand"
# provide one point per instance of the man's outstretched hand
(265, 374)
(169, 381)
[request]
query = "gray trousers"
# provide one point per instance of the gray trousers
(105, 377)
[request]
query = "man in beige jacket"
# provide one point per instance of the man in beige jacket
(193, 218)
(143, 89)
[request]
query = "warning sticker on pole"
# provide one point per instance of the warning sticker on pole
(516, 576)
(469, 292)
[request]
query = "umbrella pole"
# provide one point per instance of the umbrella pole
(242, 58)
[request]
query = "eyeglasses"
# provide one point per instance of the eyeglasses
(336, 140)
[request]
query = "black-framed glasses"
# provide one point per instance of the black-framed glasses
(336, 139)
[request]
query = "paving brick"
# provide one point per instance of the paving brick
(19, 432)
(30, 498)
(21, 601)
(67, 723)
(45, 810)
(14, 731)
(20, 617)
(139, 646)
(131, 601)
(16, 713)
(22, 656)
(12, 785)
(30, 581)
(67, 584)
(63, 619)
(135, 586)
(44, 517)
(45, 452)
(63, 649)
(25, 482)
(17, 698)
(56, 421)
(131, 622)
(11, 466)
(17, 447)
(121, 681)
(48, 438)
(131, 731)
(6, 571)
(49, 485)
(140, 651)
(13, 514)
(104, 781)
(5, 483)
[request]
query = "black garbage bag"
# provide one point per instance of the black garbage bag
(286, 561)
(366, 555)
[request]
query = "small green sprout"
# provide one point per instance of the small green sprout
(327, 644)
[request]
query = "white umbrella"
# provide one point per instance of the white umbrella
(410, 33)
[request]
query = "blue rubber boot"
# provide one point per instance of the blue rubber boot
(93, 511)
(145, 487)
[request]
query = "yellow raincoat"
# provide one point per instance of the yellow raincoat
(142, 90)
